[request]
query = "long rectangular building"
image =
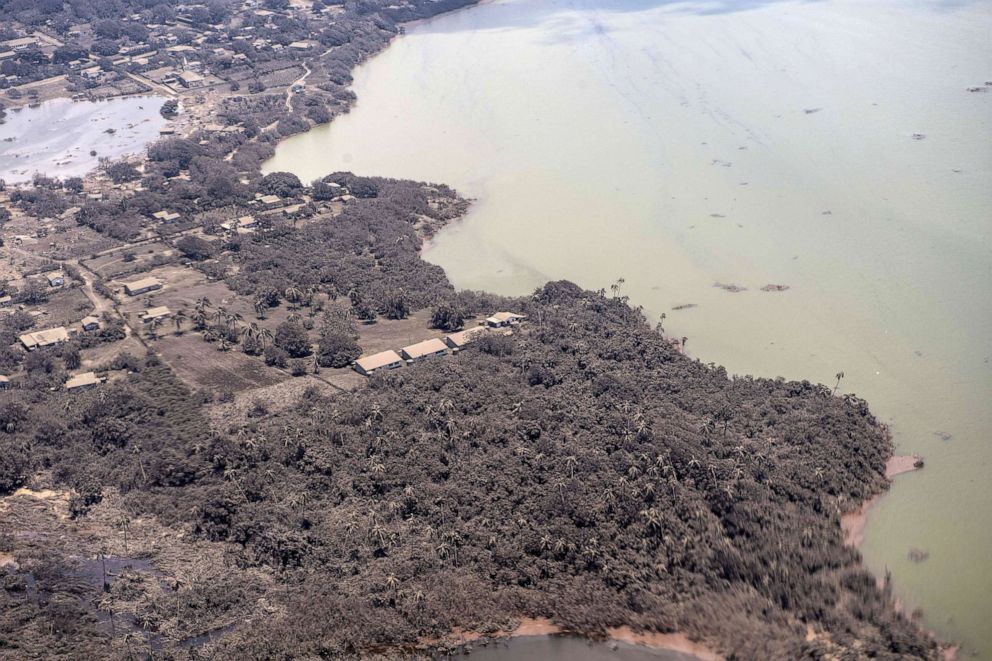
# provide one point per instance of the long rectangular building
(44, 338)
(367, 365)
(425, 349)
(141, 286)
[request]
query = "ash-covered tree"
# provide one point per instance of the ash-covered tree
(283, 184)
(338, 343)
(396, 306)
(292, 338)
(361, 307)
(170, 108)
(447, 317)
(196, 248)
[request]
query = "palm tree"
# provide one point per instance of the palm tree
(840, 375)
(293, 296)
(260, 307)
(202, 304)
(652, 518)
(443, 550)
(178, 319)
(616, 287)
(264, 334)
(153, 327)
(233, 318)
(251, 331)
(124, 523)
(661, 323)
(571, 462)
(199, 319)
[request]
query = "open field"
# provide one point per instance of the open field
(201, 365)
(115, 265)
(395, 334)
(100, 355)
(65, 306)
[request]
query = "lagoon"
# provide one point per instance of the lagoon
(833, 148)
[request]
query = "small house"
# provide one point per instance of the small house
(159, 312)
(460, 339)
(190, 79)
(90, 323)
(141, 286)
(5, 301)
(166, 216)
(44, 338)
(270, 201)
(242, 224)
(504, 319)
(82, 381)
(4, 382)
(367, 365)
(55, 278)
(425, 349)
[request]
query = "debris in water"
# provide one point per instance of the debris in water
(685, 306)
(919, 136)
(918, 555)
(828, 212)
(943, 435)
(732, 288)
(717, 215)
(810, 111)
(775, 288)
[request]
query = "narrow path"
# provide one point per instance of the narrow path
(298, 81)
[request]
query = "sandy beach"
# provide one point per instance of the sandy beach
(853, 523)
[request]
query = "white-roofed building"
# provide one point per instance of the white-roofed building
(425, 349)
(504, 319)
(461, 338)
(367, 365)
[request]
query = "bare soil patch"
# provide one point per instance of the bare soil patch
(201, 365)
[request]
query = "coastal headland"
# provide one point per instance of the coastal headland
(190, 468)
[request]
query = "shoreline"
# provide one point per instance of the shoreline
(853, 524)
(545, 627)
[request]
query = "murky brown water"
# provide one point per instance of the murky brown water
(832, 147)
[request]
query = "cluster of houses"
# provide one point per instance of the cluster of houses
(434, 347)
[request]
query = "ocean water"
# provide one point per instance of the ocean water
(829, 147)
(56, 137)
